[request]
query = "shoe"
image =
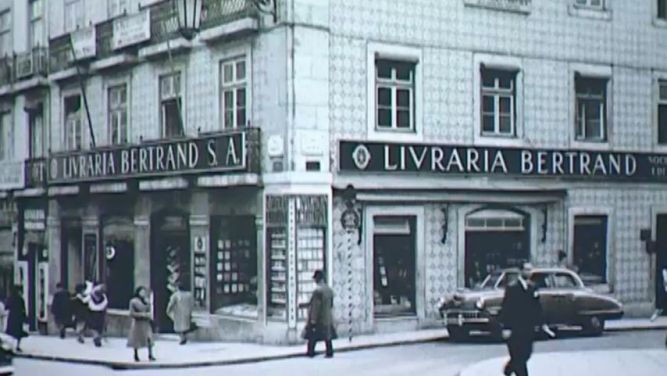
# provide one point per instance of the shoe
(62, 334)
(18, 350)
(136, 358)
(183, 342)
(80, 340)
(151, 358)
(329, 356)
(310, 355)
(98, 342)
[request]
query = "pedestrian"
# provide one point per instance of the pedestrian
(3, 314)
(80, 309)
(97, 308)
(179, 311)
(60, 308)
(319, 326)
(141, 331)
(521, 313)
(17, 317)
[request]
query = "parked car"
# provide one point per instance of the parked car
(566, 302)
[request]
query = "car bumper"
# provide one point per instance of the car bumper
(467, 318)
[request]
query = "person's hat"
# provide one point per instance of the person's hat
(318, 275)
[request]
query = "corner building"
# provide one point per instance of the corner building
(465, 135)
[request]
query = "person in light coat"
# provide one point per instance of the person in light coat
(141, 331)
(179, 311)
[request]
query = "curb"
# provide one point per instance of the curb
(145, 366)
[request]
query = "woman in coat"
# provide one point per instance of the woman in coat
(17, 316)
(97, 309)
(141, 332)
(179, 311)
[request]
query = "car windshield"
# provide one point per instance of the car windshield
(492, 279)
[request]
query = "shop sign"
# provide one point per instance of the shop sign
(83, 43)
(131, 29)
(500, 161)
(34, 219)
(219, 152)
(11, 175)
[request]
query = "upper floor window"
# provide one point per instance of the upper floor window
(73, 122)
(36, 27)
(593, 4)
(74, 17)
(36, 130)
(234, 93)
(591, 108)
(5, 135)
(662, 9)
(118, 114)
(498, 94)
(394, 95)
(170, 105)
(662, 112)
(116, 7)
(5, 32)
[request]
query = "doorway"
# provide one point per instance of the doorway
(71, 259)
(170, 262)
(394, 261)
(660, 262)
(494, 240)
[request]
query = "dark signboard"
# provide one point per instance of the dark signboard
(219, 152)
(511, 161)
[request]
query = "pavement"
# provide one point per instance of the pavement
(582, 363)
(170, 354)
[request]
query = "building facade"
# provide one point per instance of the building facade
(407, 148)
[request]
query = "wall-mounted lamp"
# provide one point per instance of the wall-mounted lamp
(189, 17)
(445, 223)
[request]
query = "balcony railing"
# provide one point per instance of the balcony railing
(35, 173)
(216, 12)
(103, 39)
(31, 63)
(164, 21)
(60, 53)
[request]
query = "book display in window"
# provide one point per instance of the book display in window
(277, 242)
(200, 275)
(234, 267)
(310, 257)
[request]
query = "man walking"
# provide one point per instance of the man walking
(520, 314)
(179, 311)
(60, 307)
(319, 326)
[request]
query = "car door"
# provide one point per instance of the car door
(564, 292)
(544, 285)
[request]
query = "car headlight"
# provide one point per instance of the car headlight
(480, 303)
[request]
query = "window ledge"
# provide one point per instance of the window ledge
(586, 12)
(488, 140)
(394, 136)
(591, 145)
(660, 22)
(513, 6)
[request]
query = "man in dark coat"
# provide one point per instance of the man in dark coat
(320, 318)
(520, 314)
(61, 310)
(17, 316)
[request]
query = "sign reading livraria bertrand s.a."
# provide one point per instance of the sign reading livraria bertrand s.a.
(511, 161)
(220, 152)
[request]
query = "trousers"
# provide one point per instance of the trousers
(520, 348)
(311, 347)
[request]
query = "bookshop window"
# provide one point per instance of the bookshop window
(394, 256)
(310, 246)
(234, 266)
(276, 222)
(118, 243)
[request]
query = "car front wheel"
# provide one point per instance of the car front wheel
(593, 326)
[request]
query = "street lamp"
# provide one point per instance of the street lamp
(189, 16)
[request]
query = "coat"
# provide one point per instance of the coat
(141, 330)
(97, 308)
(320, 326)
(17, 317)
(60, 307)
(521, 310)
(179, 310)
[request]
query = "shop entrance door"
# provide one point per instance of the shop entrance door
(495, 239)
(394, 259)
(170, 263)
(661, 262)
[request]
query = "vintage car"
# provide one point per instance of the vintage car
(565, 303)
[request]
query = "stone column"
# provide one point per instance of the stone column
(261, 270)
(52, 243)
(142, 251)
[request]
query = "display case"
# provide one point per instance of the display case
(200, 263)
(277, 286)
(310, 257)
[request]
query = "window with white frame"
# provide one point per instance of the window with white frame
(593, 4)
(394, 95)
(498, 101)
(591, 108)
(36, 23)
(116, 7)
(74, 17)
(662, 112)
(5, 134)
(36, 130)
(590, 248)
(170, 105)
(118, 114)
(234, 93)
(5, 32)
(73, 122)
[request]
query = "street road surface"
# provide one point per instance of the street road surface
(438, 358)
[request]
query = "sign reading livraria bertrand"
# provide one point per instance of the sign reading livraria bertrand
(478, 160)
(220, 152)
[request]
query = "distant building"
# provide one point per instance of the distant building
(476, 135)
